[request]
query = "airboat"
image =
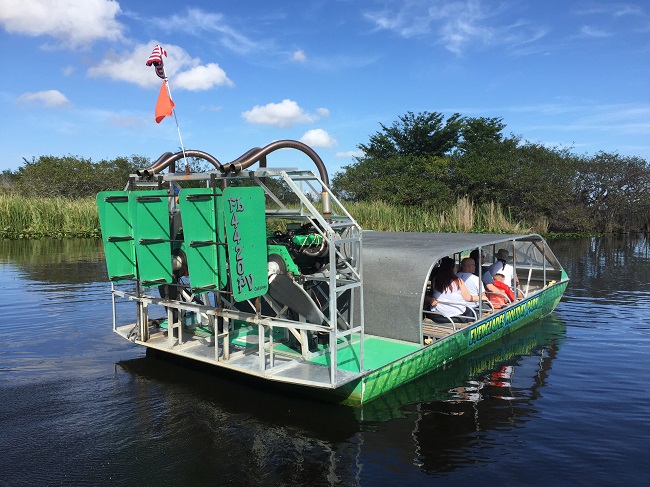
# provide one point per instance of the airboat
(262, 271)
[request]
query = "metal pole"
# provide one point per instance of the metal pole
(178, 129)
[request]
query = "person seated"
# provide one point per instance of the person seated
(467, 266)
(498, 300)
(502, 265)
(450, 292)
(486, 277)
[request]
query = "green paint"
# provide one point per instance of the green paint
(238, 335)
(206, 259)
(117, 234)
(285, 256)
(149, 212)
(245, 221)
(310, 239)
(378, 352)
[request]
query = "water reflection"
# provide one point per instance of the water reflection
(465, 379)
(67, 261)
(452, 433)
(590, 260)
(262, 436)
(448, 410)
(237, 394)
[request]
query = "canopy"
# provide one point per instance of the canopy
(396, 267)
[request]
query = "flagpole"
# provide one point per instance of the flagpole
(178, 128)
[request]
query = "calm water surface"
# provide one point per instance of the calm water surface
(565, 401)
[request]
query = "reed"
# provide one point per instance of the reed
(37, 217)
(464, 216)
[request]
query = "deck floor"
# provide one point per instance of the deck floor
(286, 364)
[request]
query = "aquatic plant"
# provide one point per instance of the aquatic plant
(30, 217)
(23, 217)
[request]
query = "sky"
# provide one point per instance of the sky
(243, 74)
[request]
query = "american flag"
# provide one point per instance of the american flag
(156, 59)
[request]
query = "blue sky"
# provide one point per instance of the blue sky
(246, 73)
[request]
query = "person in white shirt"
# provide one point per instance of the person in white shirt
(449, 291)
(467, 266)
(485, 273)
(501, 265)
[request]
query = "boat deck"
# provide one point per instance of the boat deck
(277, 361)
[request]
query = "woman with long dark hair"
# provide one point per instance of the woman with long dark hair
(450, 291)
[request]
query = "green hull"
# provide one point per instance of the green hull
(446, 350)
(540, 338)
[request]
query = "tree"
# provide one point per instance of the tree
(545, 185)
(74, 177)
(404, 164)
(8, 179)
(615, 191)
(479, 131)
(415, 135)
(400, 179)
(423, 160)
(482, 166)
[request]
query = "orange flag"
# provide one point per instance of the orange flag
(164, 105)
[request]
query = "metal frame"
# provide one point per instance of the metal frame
(342, 274)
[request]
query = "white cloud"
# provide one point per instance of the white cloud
(350, 153)
(454, 24)
(183, 71)
(202, 78)
(318, 138)
(299, 56)
(608, 9)
(48, 99)
(588, 31)
(281, 115)
(197, 20)
(70, 22)
(323, 112)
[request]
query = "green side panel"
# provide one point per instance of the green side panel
(117, 234)
(245, 221)
(149, 212)
(201, 231)
(286, 257)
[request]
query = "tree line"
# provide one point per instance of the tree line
(426, 161)
(70, 176)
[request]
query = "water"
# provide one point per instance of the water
(564, 401)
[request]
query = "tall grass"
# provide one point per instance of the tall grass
(20, 216)
(464, 216)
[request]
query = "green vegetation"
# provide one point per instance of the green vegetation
(421, 173)
(58, 217)
(463, 216)
(72, 177)
(421, 161)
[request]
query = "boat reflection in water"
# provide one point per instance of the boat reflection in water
(492, 388)
(454, 409)
(484, 373)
